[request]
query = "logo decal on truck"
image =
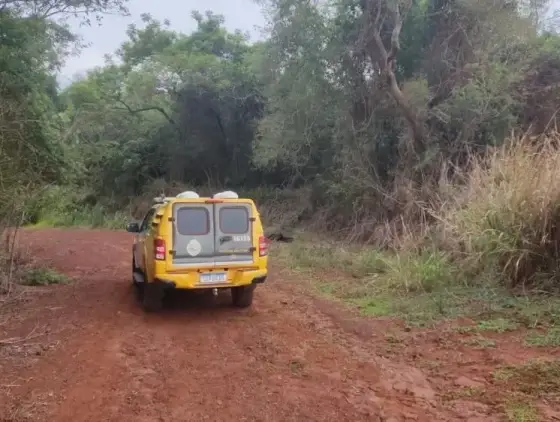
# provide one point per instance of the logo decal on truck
(194, 248)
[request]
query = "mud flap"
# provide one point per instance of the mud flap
(153, 294)
(243, 296)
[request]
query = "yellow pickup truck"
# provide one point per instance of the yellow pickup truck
(189, 242)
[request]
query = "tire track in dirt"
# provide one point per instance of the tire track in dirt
(282, 360)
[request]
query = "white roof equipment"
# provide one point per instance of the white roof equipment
(226, 195)
(162, 199)
(189, 194)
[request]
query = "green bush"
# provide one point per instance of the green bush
(65, 207)
(43, 277)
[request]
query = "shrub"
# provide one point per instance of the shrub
(43, 277)
(67, 207)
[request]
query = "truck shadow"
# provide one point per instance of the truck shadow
(181, 299)
(186, 301)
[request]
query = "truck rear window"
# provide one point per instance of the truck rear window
(193, 221)
(234, 220)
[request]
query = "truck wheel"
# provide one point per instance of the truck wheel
(152, 297)
(242, 296)
(133, 271)
(138, 287)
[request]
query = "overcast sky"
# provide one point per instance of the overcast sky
(239, 14)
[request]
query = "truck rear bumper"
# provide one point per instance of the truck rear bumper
(190, 280)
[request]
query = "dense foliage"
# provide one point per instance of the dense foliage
(33, 46)
(361, 103)
(349, 114)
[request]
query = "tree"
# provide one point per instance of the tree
(180, 107)
(33, 47)
(360, 103)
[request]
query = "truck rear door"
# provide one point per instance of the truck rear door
(233, 234)
(193, 235)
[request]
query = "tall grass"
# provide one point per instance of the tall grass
(505, 225)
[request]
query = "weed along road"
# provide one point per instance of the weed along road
(95, 355)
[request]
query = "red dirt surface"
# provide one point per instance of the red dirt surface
(94, 355)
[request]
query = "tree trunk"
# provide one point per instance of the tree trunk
(377, 13)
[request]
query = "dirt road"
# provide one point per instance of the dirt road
(94, 355)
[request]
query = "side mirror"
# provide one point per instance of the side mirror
(132, 228)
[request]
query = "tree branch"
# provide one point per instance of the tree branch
(395, 43)
(220, 125)
(150, 108)
(49, 8)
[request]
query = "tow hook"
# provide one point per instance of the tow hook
(215, 291)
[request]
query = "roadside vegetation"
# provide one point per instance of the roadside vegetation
(490, 250)
(20, 270)
(40, 276)
(61, 207)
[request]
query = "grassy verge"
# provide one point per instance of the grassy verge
(491, 250)
(66, 206)
(420, 288)
(94, 217)
(427, 288)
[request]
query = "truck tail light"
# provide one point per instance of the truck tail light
(159, 248)
(263, 246)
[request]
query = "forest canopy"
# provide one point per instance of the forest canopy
(346, 108)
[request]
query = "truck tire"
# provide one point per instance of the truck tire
(138, 287)
(242, 296)
(133, 271)
(152, 297)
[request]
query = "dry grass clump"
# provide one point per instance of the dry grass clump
(497, 226)
(505, 225)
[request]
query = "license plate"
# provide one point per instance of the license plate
(209, 278)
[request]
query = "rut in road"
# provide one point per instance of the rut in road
(282, 360)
